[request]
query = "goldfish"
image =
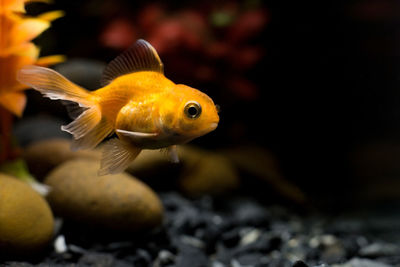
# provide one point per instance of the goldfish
(137, 102)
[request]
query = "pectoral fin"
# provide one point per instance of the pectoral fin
(137, 136)
(117, 155)
(173, 154)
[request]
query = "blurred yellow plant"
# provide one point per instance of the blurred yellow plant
(17, 30)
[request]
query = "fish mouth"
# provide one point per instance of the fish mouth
(213, 126)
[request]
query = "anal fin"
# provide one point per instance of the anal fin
(117, 156)
(84, 123)
(73, 109)
(94, 137)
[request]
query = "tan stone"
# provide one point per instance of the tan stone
(43, 156)
(26, 221)
(206, 172)
(199, 171)
(261, 164)
(117, 202)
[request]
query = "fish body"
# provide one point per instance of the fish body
(138, 103)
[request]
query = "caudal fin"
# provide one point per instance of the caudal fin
(55, 86)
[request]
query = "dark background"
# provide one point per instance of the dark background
(322, 94)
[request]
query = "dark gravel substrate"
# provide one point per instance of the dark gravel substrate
(234, 232)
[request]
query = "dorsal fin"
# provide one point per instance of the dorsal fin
(139, 57)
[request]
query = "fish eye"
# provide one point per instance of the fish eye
(192, 109)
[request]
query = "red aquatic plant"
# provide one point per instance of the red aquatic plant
(201, 43)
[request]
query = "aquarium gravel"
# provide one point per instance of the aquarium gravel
(231, 231)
